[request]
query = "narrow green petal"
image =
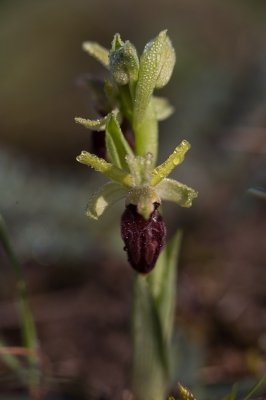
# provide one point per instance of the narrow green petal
(116, 144)
(159, 173)
(94, 125)
(162, 107)
(99, 164)
(104, 198)
(171, 190)
(97, 51)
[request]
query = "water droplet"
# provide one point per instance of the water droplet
(175, 161)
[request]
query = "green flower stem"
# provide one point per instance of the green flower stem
(28, 329)
(146, 134)
(152, 324)
(126, 103)
(149, 363)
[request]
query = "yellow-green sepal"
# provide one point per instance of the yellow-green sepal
(162, 108)
(171, 190)
(156, 66)
(104, 198)
(167, 63)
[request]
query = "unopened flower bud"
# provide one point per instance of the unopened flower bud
(124, 62)
(144, 239)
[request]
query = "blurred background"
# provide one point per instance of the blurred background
(76, 270)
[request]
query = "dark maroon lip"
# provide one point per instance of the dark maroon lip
(144, 239)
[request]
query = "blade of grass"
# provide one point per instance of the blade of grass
(27, 324)
(256, 387)
(232, 394)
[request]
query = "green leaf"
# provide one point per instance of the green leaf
(97, 51)
(167, 298)
(116, 144)
(149, 365)
(94, 125)
(99, 164)
(159, 173)
(162, 107)
(151, 73)
(162, 282)
(104, 198)
(171, 190)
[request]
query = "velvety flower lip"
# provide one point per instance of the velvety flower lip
(144, 239)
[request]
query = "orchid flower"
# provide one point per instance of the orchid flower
(134, 175)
